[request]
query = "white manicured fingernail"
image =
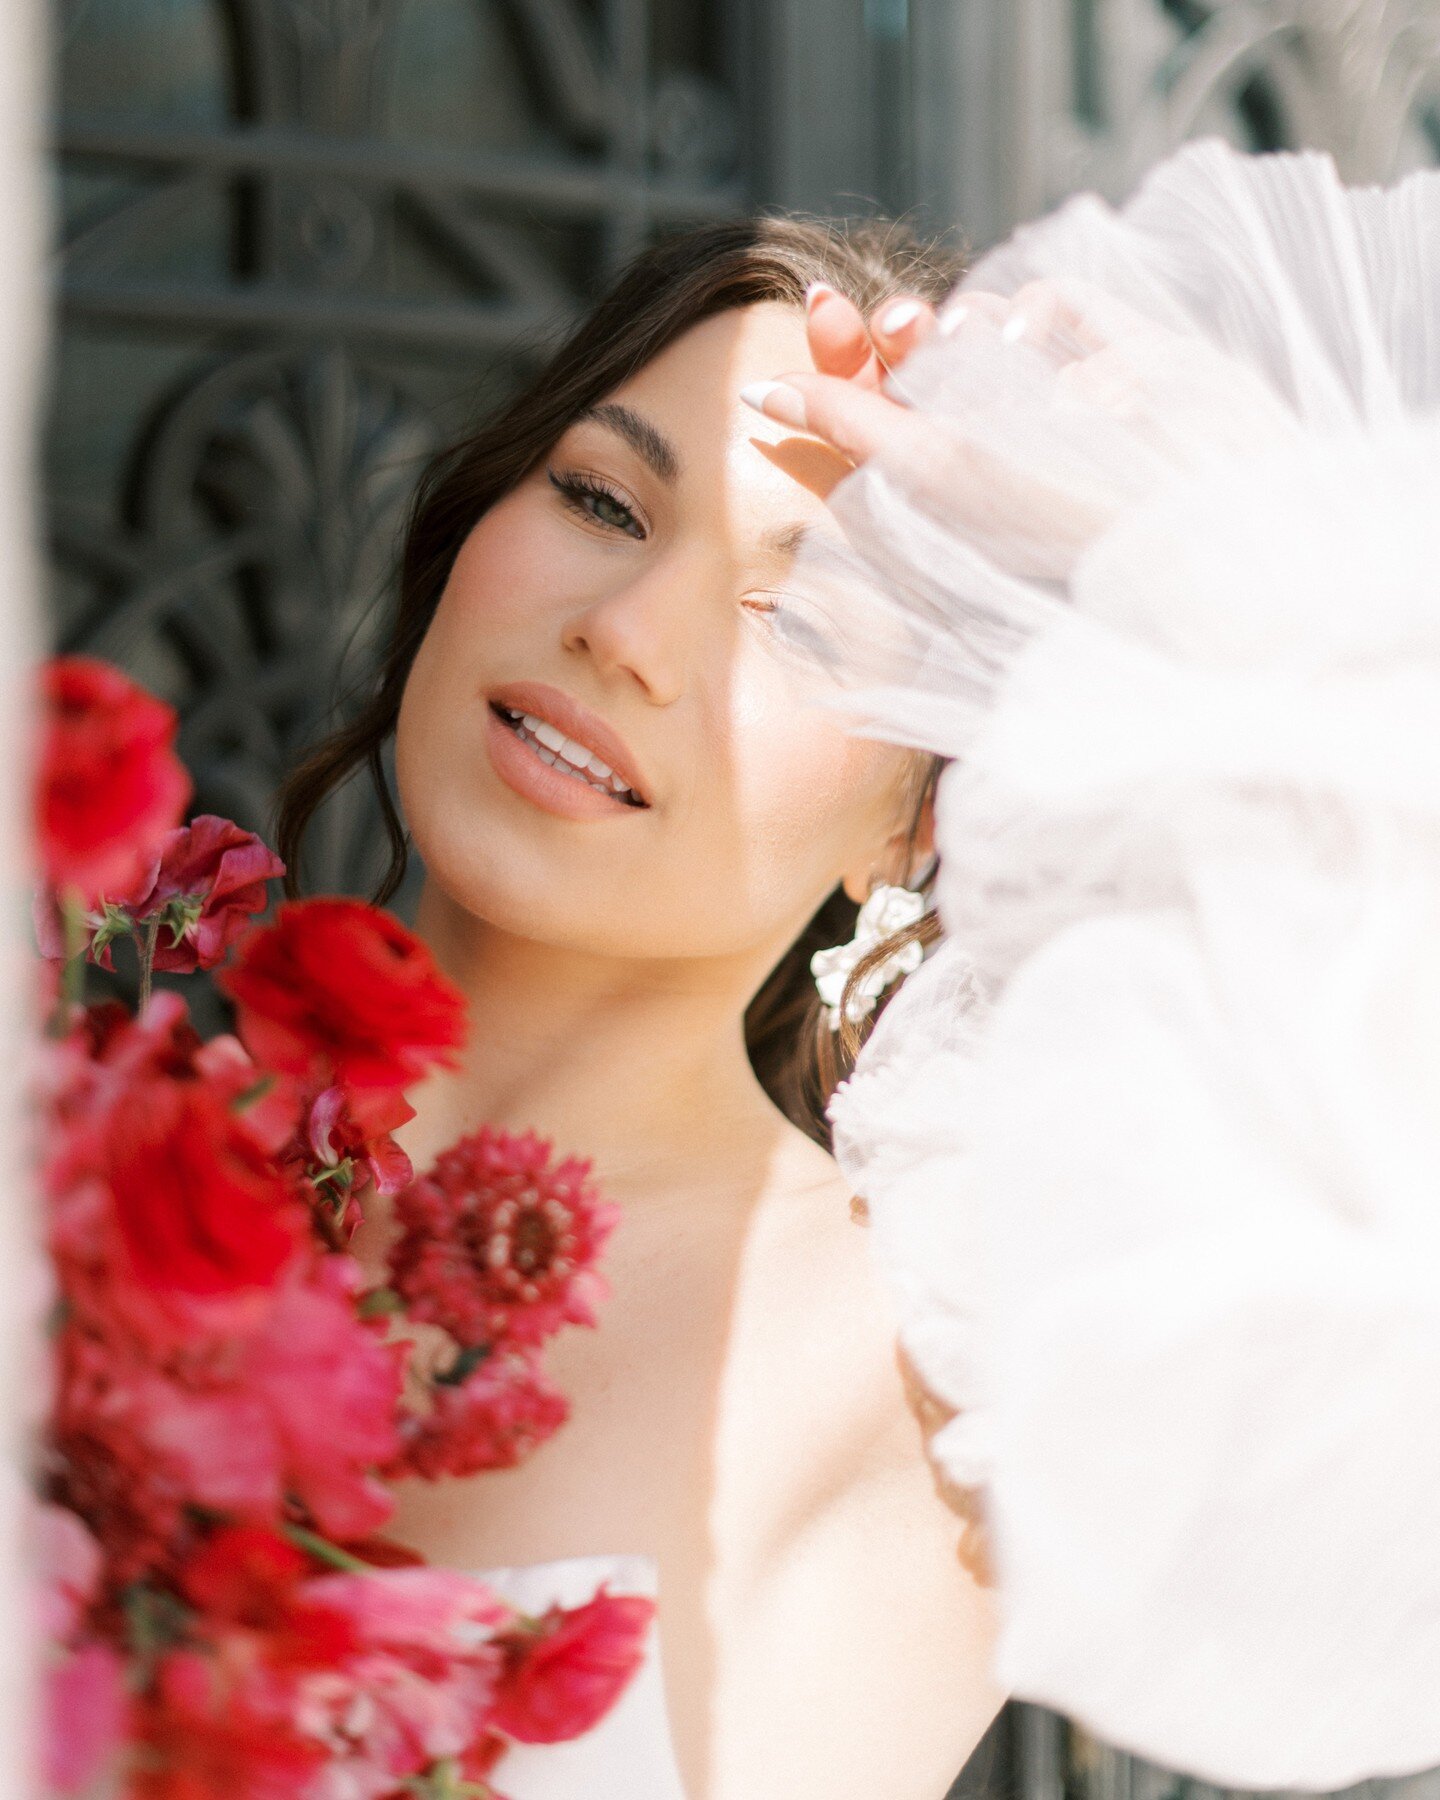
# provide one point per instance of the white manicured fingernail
(777, 400)
(901, 314)
(816, 291)
(1014, 329)
(953, 318)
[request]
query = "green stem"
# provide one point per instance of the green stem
(72, 976)
(147, 959)
(323, 1550)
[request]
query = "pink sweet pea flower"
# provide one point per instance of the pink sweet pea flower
(211, 880)
(567, 1670)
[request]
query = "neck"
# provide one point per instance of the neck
(639, 1065)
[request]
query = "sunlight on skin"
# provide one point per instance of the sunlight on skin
(738, 1416)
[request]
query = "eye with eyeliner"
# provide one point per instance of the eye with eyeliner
(592, 498)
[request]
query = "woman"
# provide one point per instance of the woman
(632, 824)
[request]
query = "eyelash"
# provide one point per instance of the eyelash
(576, 487)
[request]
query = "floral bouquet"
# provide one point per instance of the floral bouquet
(228, 1398)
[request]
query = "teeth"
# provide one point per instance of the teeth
(547, 734)
(559, 752)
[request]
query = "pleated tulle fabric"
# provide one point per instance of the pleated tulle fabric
(1152, 1147)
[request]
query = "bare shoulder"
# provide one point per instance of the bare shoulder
(824, 1316)
(841, 1526)
(814, 1215)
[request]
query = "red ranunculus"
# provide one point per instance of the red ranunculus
(110, 784)
(168, 1216)
(338, 991)
(566, 1671)
(201, 1211)
(497, 1242)
(492, 1419)
(250, 1576)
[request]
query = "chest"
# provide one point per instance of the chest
(699, 1407)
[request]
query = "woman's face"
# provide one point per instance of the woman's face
(617, 606)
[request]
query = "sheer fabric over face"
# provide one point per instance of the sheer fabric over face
(1152, 1147)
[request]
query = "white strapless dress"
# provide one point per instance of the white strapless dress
(629, 1755)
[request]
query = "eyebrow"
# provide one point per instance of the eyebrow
(786, 540)
(650, 444)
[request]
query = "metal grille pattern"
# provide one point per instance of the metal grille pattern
(296, 235)
(1103, 88)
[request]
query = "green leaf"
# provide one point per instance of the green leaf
(380, 1301)
(464, 1365)
(113, 922)
(155, 1621)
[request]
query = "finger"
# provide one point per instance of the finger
(1073, 318)
(839, 343)
(854, 420)
(900, 327)
(971, 308)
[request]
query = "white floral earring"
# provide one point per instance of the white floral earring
(888, 910)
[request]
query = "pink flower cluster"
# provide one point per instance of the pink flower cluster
(229, 1400)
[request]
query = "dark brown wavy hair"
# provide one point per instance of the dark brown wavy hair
(665, 291)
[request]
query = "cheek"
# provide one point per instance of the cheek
(809, 797)
(507, 569)
(493, 608)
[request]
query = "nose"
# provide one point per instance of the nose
(644, 629)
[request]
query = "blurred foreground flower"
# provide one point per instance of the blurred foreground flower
(110, 784)
(227, 1399)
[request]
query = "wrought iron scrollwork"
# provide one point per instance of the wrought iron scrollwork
(316, 291)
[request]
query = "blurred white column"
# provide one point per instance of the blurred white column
(21, 1292)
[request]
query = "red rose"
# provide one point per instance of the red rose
(110, 785)
(569, 1669)
(496, 1241)
(338, 991)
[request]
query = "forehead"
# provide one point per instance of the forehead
(691, 393)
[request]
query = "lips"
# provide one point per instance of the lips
(567, 737)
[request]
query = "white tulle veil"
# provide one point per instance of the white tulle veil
(1152, 1144)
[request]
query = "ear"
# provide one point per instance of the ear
(905, 855)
